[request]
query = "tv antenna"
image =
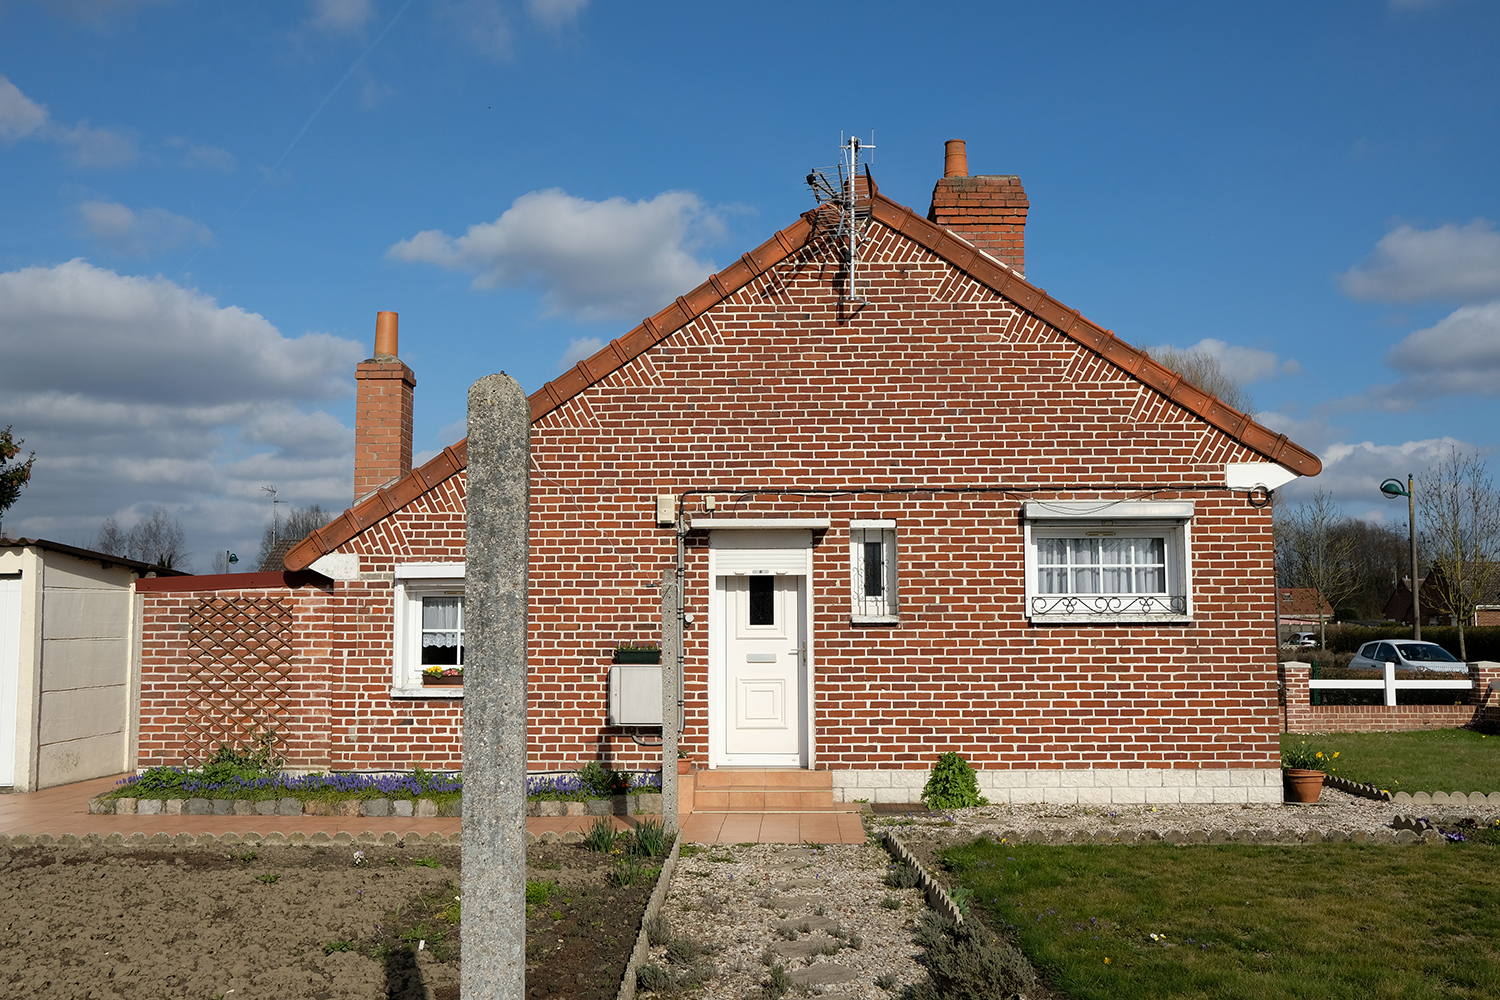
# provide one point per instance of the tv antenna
(836, 187)
(275, 525)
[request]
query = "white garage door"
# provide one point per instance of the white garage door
(10, 674)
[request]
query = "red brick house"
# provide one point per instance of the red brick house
(937, 511)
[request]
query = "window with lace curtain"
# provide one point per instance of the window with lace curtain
(429, 626)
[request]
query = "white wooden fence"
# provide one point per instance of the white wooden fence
(1391, 685)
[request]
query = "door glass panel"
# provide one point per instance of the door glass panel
(762, 600)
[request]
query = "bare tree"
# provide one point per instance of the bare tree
(294, 525)
(157, 539)
(1203, 370)
(1381, 558)
(1314, 551)
(1461, 511)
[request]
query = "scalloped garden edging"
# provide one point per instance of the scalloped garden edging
(637, 804)
(653, 907)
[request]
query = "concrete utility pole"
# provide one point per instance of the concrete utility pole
(671, 673)
(495, 612)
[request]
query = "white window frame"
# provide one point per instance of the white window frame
(886, 609)
(1170, 521)
(413, 582)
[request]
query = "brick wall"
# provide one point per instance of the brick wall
(989, 211)
(934, 382)
(1299, 715)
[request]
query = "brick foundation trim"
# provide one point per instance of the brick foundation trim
(1078, 786)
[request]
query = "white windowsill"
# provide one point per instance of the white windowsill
(423, 691)
(874, 619)
(1118, 619)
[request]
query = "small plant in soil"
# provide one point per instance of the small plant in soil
(246, 856)
(952, 785)
(903, 876)
(779, 982)
(333, 946)
(652, 839)
(886, 981)
(539, 892)
(269, 878)
(891, 903)
(856, 942)
(658, 930)
(601, 836)
(430, 861)
(360, 861)
(628, 871)
(962, 960)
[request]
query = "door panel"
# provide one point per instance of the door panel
(763, 656)
(10, 675)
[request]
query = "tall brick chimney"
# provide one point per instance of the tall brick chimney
(382, 413)
(988, 210)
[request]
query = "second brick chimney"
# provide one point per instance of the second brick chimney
(382, 413)
(988, 210)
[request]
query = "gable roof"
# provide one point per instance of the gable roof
(941, 242)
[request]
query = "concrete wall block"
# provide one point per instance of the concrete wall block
(1044, 779)
(1057, 794)
(1163, 795)
(1127, 795)
(1230, 793)
(1175, 777)
(81, 713)
(873, 778)
(1144, 777)
(1026, 795)
(1096, 795)
(1265, 795)
(1078, 777)
(1111, 777)
(1198, 794)
(894, 795)
(85, 614)
(79, 760)
(909, 779)
(84, 663)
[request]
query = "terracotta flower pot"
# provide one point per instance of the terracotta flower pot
(686, 766)
(1302, 785)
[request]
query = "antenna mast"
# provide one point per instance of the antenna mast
(841, 195)
(275, 524)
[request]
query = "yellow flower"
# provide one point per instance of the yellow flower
(1106, 959)
(1335, 753)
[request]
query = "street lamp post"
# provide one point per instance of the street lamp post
(1392, 489)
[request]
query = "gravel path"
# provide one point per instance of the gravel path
(825, 915)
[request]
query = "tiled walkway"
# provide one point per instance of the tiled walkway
(65, 810)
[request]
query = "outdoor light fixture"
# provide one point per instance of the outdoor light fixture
(1392, 489)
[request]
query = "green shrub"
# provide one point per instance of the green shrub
(964, 962)
(953, 784)
(653, 978)
(602, 782)
(1481, 643)
(652, 839)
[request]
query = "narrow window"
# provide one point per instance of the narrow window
(762, 600)
(442, 632)
(872, 569)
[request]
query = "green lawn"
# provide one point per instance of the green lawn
(1321, 923)
(1439, 760)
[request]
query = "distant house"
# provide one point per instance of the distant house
(937, 510)
(1302, 609)
(1434, 602)
(69, 626)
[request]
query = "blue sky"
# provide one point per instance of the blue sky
(204, 205)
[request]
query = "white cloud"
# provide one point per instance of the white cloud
(97, 148)
(556, 13)
(578, 350)
(342, 15)
(1461, 353)
(1449, 263)
(1352, 473)
(20, 116)
(140, 233)
(591, 259)
(211, 157)
(135, 391)
(1243, 364)
(481, 23)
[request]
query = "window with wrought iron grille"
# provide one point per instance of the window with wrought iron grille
(429, 625)
(1108, 561)
(872, 571)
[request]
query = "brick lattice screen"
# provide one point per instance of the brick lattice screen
(239, 685)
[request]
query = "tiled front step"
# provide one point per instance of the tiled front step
(766, 790)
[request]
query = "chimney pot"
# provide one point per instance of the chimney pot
(385, 334)
(955, 159)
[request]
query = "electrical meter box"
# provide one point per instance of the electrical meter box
(634, 696)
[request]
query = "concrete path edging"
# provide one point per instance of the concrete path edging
(937, 896)
(653, 907)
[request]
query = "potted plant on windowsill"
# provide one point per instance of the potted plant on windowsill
(1303, 770)
(442, 676)
(638, 652)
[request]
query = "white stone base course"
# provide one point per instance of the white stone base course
(1078, 786)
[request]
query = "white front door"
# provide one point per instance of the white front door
(10, 674)
(763, 669)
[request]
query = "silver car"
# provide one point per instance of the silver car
(1407, 654)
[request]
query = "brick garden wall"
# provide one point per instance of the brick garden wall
(936, 382)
